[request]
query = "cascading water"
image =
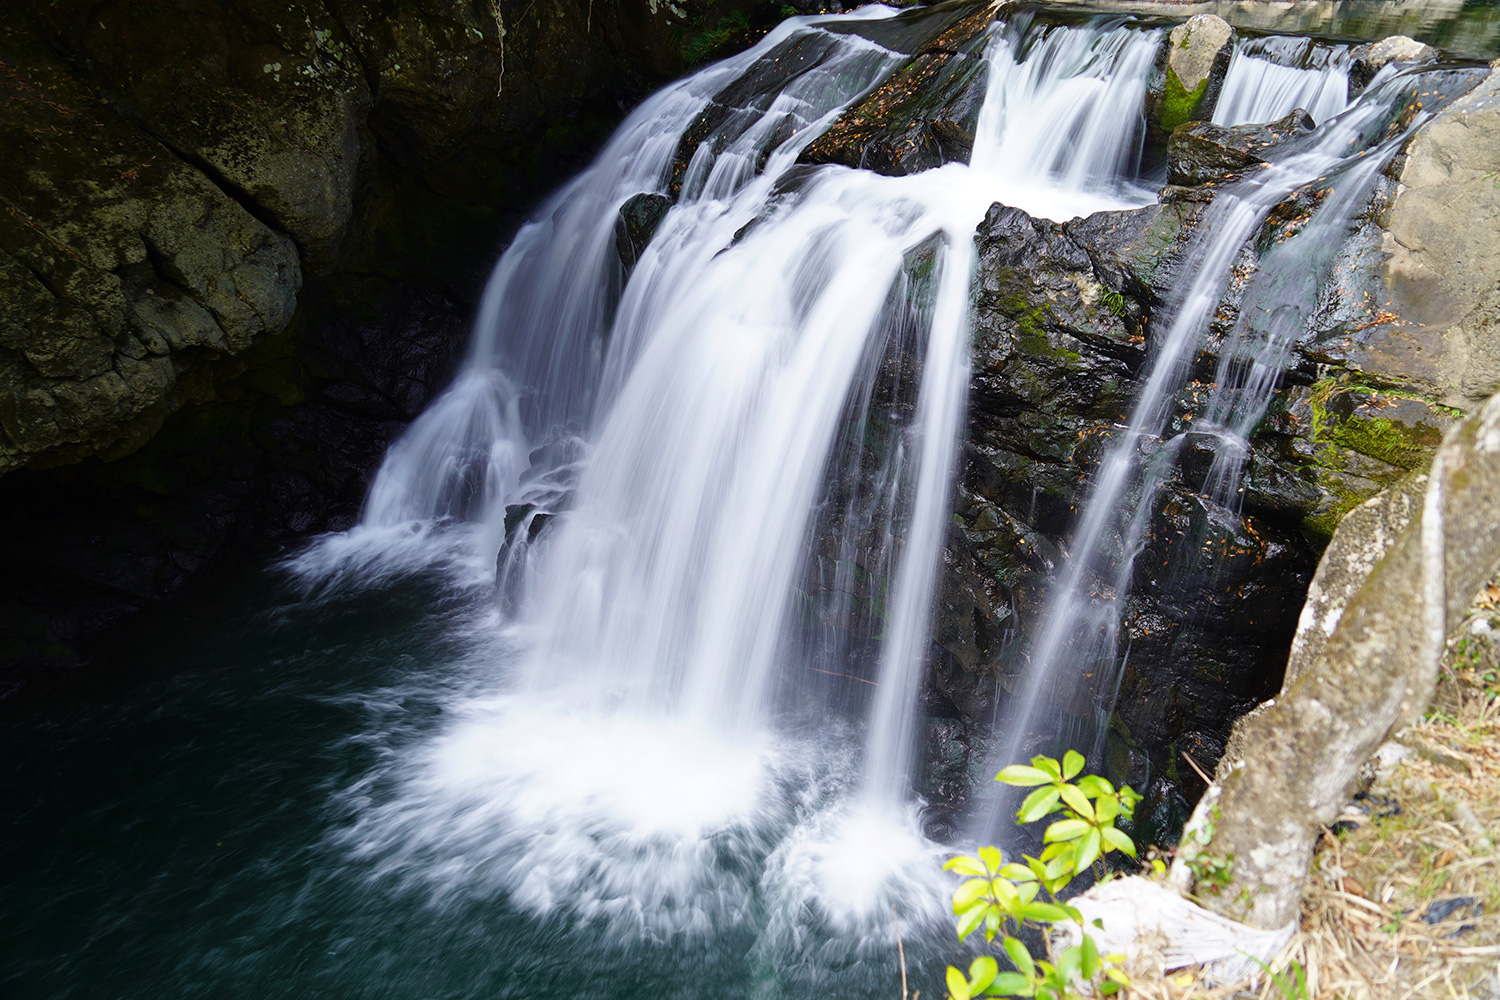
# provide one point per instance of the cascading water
(645, 713)
(615, 686)
(1269, 78)
(1078, 645)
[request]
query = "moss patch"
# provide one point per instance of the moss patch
(1178, 104)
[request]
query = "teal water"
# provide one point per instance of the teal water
(184, 839)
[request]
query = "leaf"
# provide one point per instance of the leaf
(958, 986)
(992, 858)
(1012, 984)
(1027, 891)
(1117, 975)
(1023, 776)
(1047, 764)
(1062, 865)
(1073, 913)
(1077, 801)
(1038, 804)
(1038, 868)
(1053, 850)
(1118, 840)
(1094, 786)
(1072, 763)
(1017, 873)
(1069, 963)
(1049, 913)
(1106, 808)
(1020, 955)
(991, 924)
(967, 894)
(1087, 850)
(970, 919)
(1091, 964)
(965, 865)
(1066, 829)
(982, 972)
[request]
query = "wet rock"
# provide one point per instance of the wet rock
(920, 118)
(1186, 85)
(1367, 60)
(637, 222)
(1204, 153)
(1138, 253)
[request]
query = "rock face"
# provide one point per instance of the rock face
(1186, 86)
(1441, 269)
(1401, 568)
(124, 270)
(1204, 153)
(238, 247)
(1063, 317)
(1299, 757)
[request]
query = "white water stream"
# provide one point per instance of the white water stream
(1269, 78)
(641, 741)
(1079, 640)
(665, 462)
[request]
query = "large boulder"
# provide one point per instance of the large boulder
(1205, 153)
(1186, 85)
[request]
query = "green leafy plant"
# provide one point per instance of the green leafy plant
(1210, 871)
(1291, 982)
(999, 896)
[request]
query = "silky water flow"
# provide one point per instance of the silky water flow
(651, 735)
(1080, 646)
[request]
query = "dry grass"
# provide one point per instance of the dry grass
(1421, 840)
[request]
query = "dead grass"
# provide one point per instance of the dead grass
(1419, 842)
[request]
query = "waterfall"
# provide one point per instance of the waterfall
(1078, 642)
(1269, 78)
(654, 453)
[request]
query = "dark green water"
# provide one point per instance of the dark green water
(179, 840)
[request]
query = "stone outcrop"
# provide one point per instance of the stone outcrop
(923, 116)
(1298, 758)
(125, 270)
(1367, 60)
(1186, 85)
(1204, 153)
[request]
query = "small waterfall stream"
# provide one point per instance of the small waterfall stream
(1269, 78)
(1079, 641)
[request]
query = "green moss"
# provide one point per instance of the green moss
(1393, 442)
(1178, 104)
(1031, 327)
